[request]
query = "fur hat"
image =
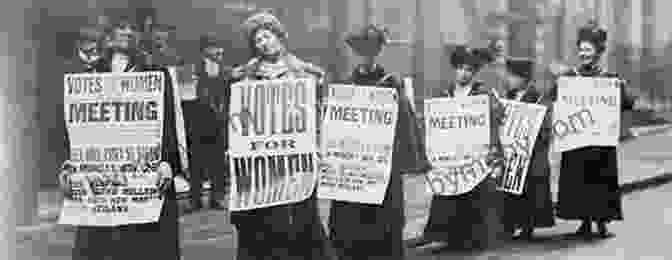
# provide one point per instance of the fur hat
(475, 57)
(593, 34)
(264, 19)
(369, 40)
(520, 67)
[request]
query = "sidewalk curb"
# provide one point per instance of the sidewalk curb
(649, 130)
(625, 189)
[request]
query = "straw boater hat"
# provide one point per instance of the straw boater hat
(264, 19)
(368, 41)
(475, 57)
(520, 67)
(593, 34)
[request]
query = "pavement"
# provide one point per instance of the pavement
(645, 162)
(643, 235)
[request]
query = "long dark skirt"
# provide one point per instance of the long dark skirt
(361, 231)
(291, 231)
(471, 221)
(533, 208)
(589, 187)
(132, 242)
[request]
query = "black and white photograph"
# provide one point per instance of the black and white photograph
(335, 129)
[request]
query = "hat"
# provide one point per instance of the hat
(520, 67)
(475, 57)
(369, 40)
(209, 40)
(123, 21)
(90, 33)
(162, 28)
(267, 20)
(593, 34)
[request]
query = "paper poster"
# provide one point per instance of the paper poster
(115, 126)
(458, 139)
(358, 126)
(518, 135)
(586, 113)
(272, 143)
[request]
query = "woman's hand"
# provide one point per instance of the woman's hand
(164, 177)
(64, 180)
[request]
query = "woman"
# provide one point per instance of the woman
(159, 240)
(470, 221)
(588, 187)
(361, 231)
(534, 208)
(292, 231)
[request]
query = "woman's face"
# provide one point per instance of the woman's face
(267, 43)
(588, 54)
(514, 81)
(464, 74)
(214, 53)
(125, 35)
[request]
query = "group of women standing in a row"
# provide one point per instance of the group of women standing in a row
(476, 220)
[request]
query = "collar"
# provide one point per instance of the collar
(592, 70)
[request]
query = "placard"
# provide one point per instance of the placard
(115, 127)
(587, 113)
(272, 143)
(358, 126)
(518, 134)
(458, 139)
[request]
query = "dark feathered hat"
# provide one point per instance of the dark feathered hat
(593, 34)
(476, 57)
(369, 40)
(520, 67)
(209, 40)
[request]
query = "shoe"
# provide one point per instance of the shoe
(216, 205)
(526, 234)
(584, 231)
(603, 232)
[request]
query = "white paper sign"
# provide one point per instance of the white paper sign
(458, 139)
(358, 126)
(586, 113)
(273, 144)
(115, 126)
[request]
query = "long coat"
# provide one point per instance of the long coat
(534, 208)
(159, 240)
(362, 231)
(292, 231)
(474, 220)
(589, 186)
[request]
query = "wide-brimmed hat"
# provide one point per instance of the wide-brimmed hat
(476, 57)
(369, 40)
(520, 67)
